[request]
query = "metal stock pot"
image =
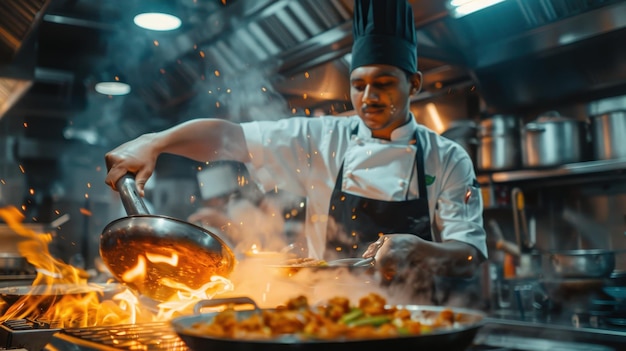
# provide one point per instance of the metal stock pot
(499, 143)
(593, 263)
(608, 132)
(552, 141)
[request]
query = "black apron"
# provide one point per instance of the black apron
(354, 221)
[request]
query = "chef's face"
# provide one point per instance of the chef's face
(380, 95)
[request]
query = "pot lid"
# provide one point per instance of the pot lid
(553, 117)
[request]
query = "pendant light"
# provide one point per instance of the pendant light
(112, 82)
(157, 15)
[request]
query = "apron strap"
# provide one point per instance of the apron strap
(421, 174)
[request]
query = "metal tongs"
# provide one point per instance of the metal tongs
(522, 236)
(351, 262)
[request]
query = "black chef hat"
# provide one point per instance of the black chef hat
(384, 33)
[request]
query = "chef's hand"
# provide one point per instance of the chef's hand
(137, 156)
(403, 256)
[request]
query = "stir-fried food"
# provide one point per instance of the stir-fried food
(336, 319)
(306, 262)
(294, 265)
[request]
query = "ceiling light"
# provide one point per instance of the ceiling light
(462, 8)
(111, 82)
(157, 21)
(112, 88)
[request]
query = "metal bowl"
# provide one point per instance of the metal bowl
(14, 262)
(594, 263)
(47, 295)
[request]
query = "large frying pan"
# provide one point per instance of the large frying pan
(457, 339)
(173, 251)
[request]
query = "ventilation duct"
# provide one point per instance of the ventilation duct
(17, 60)
(536, 54)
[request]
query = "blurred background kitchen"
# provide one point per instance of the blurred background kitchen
(534, 90)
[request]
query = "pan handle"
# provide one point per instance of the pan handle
(226, 301)
(133, 204)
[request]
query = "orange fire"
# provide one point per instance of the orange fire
(62, 293)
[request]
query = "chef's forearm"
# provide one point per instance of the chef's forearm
(204, 140)
(454, 259)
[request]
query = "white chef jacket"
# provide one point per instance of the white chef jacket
(304, 155)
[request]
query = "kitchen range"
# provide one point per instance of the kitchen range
(595, 322)
(494, 335)
(601, 328)
(530, 318)
(586, 331)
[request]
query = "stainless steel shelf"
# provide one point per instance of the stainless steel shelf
(571, 169)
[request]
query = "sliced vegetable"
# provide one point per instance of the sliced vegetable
(351, 316)
(370, 320)
(403, 331)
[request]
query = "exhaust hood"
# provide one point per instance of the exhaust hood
(516, 54)
(16, 78)
(519, 54)
(11, 90)
(534, 54)
(17, 60)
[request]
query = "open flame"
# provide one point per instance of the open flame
(137, 273)
(156, 258)
(62, 293)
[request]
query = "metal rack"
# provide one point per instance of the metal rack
(580, 171)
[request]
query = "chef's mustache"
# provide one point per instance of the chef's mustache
(366, 107)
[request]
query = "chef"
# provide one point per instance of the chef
(377, 183)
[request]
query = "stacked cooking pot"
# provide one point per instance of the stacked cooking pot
(553, 140)
(608, 128)
(548, 141)
(574, 279)
(499, 143)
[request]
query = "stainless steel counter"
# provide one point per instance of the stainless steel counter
(537, 336)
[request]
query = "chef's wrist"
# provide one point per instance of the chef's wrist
(158, 142)
(448, 259)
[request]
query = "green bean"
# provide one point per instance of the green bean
(351, 316)
(370, 320)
